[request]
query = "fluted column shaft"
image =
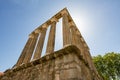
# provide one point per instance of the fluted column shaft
(73, 35)
(76, 40)
(22, 56)
(51, 39)
(39, 47)
(66, 30)
(31, 49)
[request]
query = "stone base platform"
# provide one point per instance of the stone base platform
(65, 64)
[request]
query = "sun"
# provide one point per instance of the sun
(82, 21)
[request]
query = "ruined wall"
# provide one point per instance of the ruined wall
(65, 64)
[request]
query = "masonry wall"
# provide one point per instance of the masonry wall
(65, 64)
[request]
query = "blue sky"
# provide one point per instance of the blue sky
(97, 20)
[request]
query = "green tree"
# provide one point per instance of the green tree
(108, 66)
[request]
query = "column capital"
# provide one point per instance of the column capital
(82, 39)
(85, 45)
(64, 12)
(71, 24)
(31, 35)
(37, 31)
(44, 26)
(54, 19)
(78, 33)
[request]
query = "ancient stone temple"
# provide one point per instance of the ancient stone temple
(72, 62)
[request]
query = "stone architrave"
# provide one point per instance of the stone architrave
(51, 39)
(31, 48)
(39, 47)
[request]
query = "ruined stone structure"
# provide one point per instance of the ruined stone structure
(72, 62)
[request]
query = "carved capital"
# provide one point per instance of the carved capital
(71, 24)
(77, 32)
(44, 26)
(85, 45)
(82, 39)
(31, 35)
(37, 31)
(54, 19)
(64, 12)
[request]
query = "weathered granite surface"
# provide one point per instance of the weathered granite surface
(65, 64)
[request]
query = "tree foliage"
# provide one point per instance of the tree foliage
(108, 66)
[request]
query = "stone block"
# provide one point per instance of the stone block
(62, 67)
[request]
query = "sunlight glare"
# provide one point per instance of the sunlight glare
(82, 21)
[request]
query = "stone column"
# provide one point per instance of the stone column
(77, 39)
(22, 56)
(74, 40)
(51, 39)
(76, 36)
(80, 43)
(31, 48)
(39, 47)
(66, 30)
